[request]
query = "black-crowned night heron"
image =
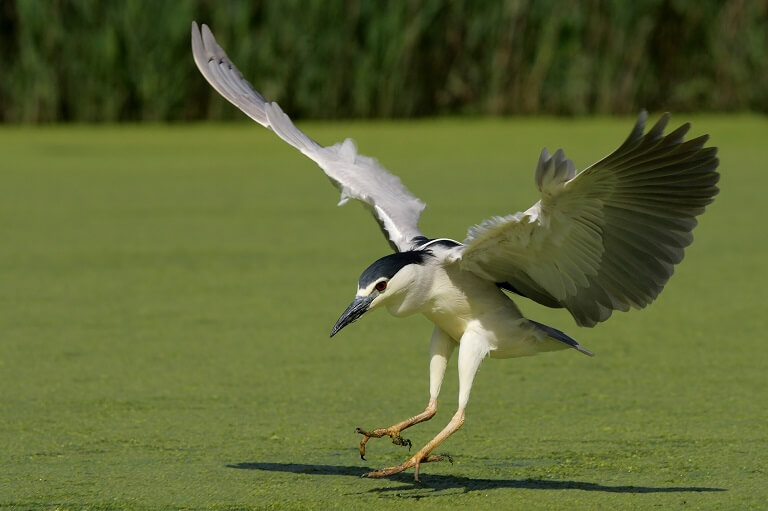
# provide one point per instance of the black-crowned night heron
(601, 240)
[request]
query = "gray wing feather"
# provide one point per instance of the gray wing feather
(607, 238)
(224, 76)
(356, 176)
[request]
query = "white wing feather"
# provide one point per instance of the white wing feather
(605, 239)
(356, 176)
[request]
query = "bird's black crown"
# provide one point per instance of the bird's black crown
(389, 265)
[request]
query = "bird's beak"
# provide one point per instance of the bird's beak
(357, 308)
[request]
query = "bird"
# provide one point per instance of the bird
(602, 239)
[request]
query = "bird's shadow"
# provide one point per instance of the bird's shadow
(464, 484)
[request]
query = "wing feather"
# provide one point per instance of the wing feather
(356, 176)
(608, 237)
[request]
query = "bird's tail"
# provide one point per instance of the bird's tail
(556, 334)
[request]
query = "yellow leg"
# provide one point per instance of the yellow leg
(423, 455)
(440, 350)
(394, 431)
(472, 349)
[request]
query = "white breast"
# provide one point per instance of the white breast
(460, 298)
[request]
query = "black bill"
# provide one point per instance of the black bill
(357, 308)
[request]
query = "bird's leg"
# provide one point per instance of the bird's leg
(394, 431)
(423, 455)
(440, 350)
(472, 350)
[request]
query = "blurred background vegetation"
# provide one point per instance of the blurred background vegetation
(93, 60)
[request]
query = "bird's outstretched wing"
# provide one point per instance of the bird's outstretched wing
(607, 238)
(356, 176)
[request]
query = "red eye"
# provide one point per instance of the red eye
(381, 286)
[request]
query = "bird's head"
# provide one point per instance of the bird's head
(388, 281)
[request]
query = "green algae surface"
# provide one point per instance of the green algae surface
(166, 294)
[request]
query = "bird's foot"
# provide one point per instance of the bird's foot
(391, 432)
(415, 462)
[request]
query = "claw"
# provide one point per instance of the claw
(378, 433)
(413, 462)
(398, 440)
(438, 457)
(366, 437)
(422, 456)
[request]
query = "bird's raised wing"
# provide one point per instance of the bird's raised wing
(356, 176)
(605, 239)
